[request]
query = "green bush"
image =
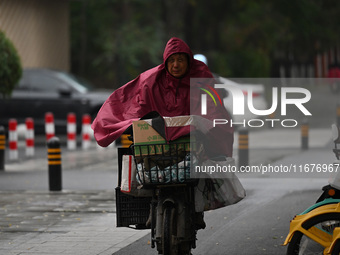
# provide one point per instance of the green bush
(10, 66)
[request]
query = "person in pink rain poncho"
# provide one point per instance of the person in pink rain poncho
(164, 89)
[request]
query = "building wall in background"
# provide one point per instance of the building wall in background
(39, 29)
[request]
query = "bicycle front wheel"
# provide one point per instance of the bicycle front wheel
(322, 227)
(169, 231)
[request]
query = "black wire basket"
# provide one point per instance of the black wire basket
(161, 164)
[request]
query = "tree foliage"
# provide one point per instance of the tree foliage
(11, 70)
(115, 40)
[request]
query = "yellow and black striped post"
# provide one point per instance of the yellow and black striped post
(125, 141)
(54, 164)
(304, 135)
(2, 147)
(243, 147)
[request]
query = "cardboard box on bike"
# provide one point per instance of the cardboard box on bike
(149, 141)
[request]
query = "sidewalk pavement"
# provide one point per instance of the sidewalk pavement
(66, 222)
(35, 221)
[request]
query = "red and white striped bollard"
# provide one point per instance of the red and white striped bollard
(86, 131)
(49, 125)
(29, 137)
(13, 139)
(71, 131)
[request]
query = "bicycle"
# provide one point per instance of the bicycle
(164, 169)
(167, 195)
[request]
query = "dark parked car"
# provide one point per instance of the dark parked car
(44, 90)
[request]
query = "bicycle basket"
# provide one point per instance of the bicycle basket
(131, 210)
(164, 163)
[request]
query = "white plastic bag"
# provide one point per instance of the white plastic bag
(219, 189)
(129, 183)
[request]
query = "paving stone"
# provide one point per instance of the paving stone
(68, 222)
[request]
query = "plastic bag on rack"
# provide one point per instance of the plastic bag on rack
(220, 190)
(129, 184)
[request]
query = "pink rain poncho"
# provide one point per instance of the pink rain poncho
(157, 90)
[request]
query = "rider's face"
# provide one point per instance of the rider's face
(177, 64)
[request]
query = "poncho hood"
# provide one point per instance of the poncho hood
(176, 45)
